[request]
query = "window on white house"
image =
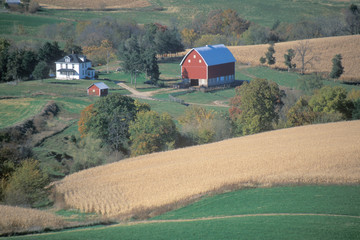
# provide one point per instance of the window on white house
(73, 66)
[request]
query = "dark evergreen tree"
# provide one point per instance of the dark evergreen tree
(151, 65)
(337, 68)
(270, 55)
(41, 70)
(4, 57)
(288, 59)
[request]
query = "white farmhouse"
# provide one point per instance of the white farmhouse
(74, 66)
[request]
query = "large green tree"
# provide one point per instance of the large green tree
(253, 109)
(109, 120)
(152, 132)
(330, 100)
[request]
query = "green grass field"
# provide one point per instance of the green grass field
(302, 212)
(261, 12)
(14, 111)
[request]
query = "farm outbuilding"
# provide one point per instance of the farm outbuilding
(98, 89)
(208, 66)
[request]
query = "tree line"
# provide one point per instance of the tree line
(226, 26)
(25, 64)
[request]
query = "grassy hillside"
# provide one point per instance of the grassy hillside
(259, 11)
(303, 212)
(325, 153)
(323, 48)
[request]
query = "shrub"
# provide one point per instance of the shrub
(26, 185)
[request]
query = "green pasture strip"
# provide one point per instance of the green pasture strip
(207, 97)
(282, 78)
(254, 227)
(173, 108)
(343, 200)
(14, 111)
(288, 79)
(31, 23)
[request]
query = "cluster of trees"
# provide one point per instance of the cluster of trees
(228, 27)
(24, 64)
(138, 53)
(22, 181)
(303, 53)
(257, 105)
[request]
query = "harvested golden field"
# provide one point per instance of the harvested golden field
(323, 48)
(314, 154)
(99, 4)
(17, 219)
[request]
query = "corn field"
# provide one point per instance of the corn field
(17, 219)
(314, 154)
(323, 49)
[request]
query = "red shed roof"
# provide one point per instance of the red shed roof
(99, 85)
(213, 54)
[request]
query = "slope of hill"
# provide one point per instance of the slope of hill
(323, 154)
(98, 4)
(322, 48)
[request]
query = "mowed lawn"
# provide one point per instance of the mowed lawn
(302, 212)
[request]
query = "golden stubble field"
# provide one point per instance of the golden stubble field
(98, 4)
(323, 48)
(314, 154)
(17, 219)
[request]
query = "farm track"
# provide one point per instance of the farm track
(148, 96)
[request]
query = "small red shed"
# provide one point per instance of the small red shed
(98, 89)
(208, 66)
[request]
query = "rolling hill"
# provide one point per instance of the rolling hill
(314, 154)
(323, 48)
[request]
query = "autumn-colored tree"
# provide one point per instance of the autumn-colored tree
(102, 54)
(189, 36)
(26, 185)
(151, 132)
(83, 124)
(301, 113)
(201, 126)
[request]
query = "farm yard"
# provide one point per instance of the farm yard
(160, 157)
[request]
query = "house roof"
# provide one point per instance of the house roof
(99, 85)
(74, 58)
(13, 1)
(213, 54)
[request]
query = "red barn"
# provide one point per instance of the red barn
(208, 66)
(98, 89)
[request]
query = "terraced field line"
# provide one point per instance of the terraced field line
(235, 216)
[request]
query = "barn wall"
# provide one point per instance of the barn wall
(222, 70)
(194, 67)
(94, 91)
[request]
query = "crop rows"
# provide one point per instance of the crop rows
(316, 154)
(323, 48)
(17, 219)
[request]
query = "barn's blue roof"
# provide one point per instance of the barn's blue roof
(100, 85)
(213, 54)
